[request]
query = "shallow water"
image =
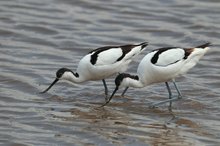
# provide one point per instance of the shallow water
(38, 37)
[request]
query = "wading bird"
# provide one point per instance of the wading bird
(162, 65)
(100, 64)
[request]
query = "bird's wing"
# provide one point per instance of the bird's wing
(106, 57)
(112, 54)
(167, 56)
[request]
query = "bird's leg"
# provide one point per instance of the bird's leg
(170, 94)
(106, 89)
(170, 97)
(177, 89)
(124, 91)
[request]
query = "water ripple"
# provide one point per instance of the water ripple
(39, 37)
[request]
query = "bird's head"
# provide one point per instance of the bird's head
(65, 74)
(122, 80)
(61, 74)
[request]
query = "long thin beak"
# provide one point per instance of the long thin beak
(54, 82)
(110, 97)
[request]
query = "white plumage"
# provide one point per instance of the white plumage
(100, 64)
(162, 65)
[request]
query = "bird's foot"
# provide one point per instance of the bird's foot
(106, 98)
(154, 105)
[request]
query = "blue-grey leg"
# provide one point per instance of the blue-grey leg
(170, 98)
(170, 94)
(106, 89)
(124, 91)
(177, 89)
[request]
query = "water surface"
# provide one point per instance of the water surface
(39, 37)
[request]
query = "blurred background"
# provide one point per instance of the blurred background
(39, 37)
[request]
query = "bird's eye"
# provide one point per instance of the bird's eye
(59, 75)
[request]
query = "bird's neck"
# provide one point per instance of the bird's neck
(73, 77)
(132, 82)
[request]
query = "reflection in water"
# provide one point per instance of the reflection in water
(39, 37)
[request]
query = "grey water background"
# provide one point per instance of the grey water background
(39, 37)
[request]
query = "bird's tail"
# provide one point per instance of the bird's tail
(199, 51)
(205, 47)
(195, 54)
(136, 50)
(143, 45)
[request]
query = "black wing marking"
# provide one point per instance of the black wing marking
(125, 49)
(154, 59)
